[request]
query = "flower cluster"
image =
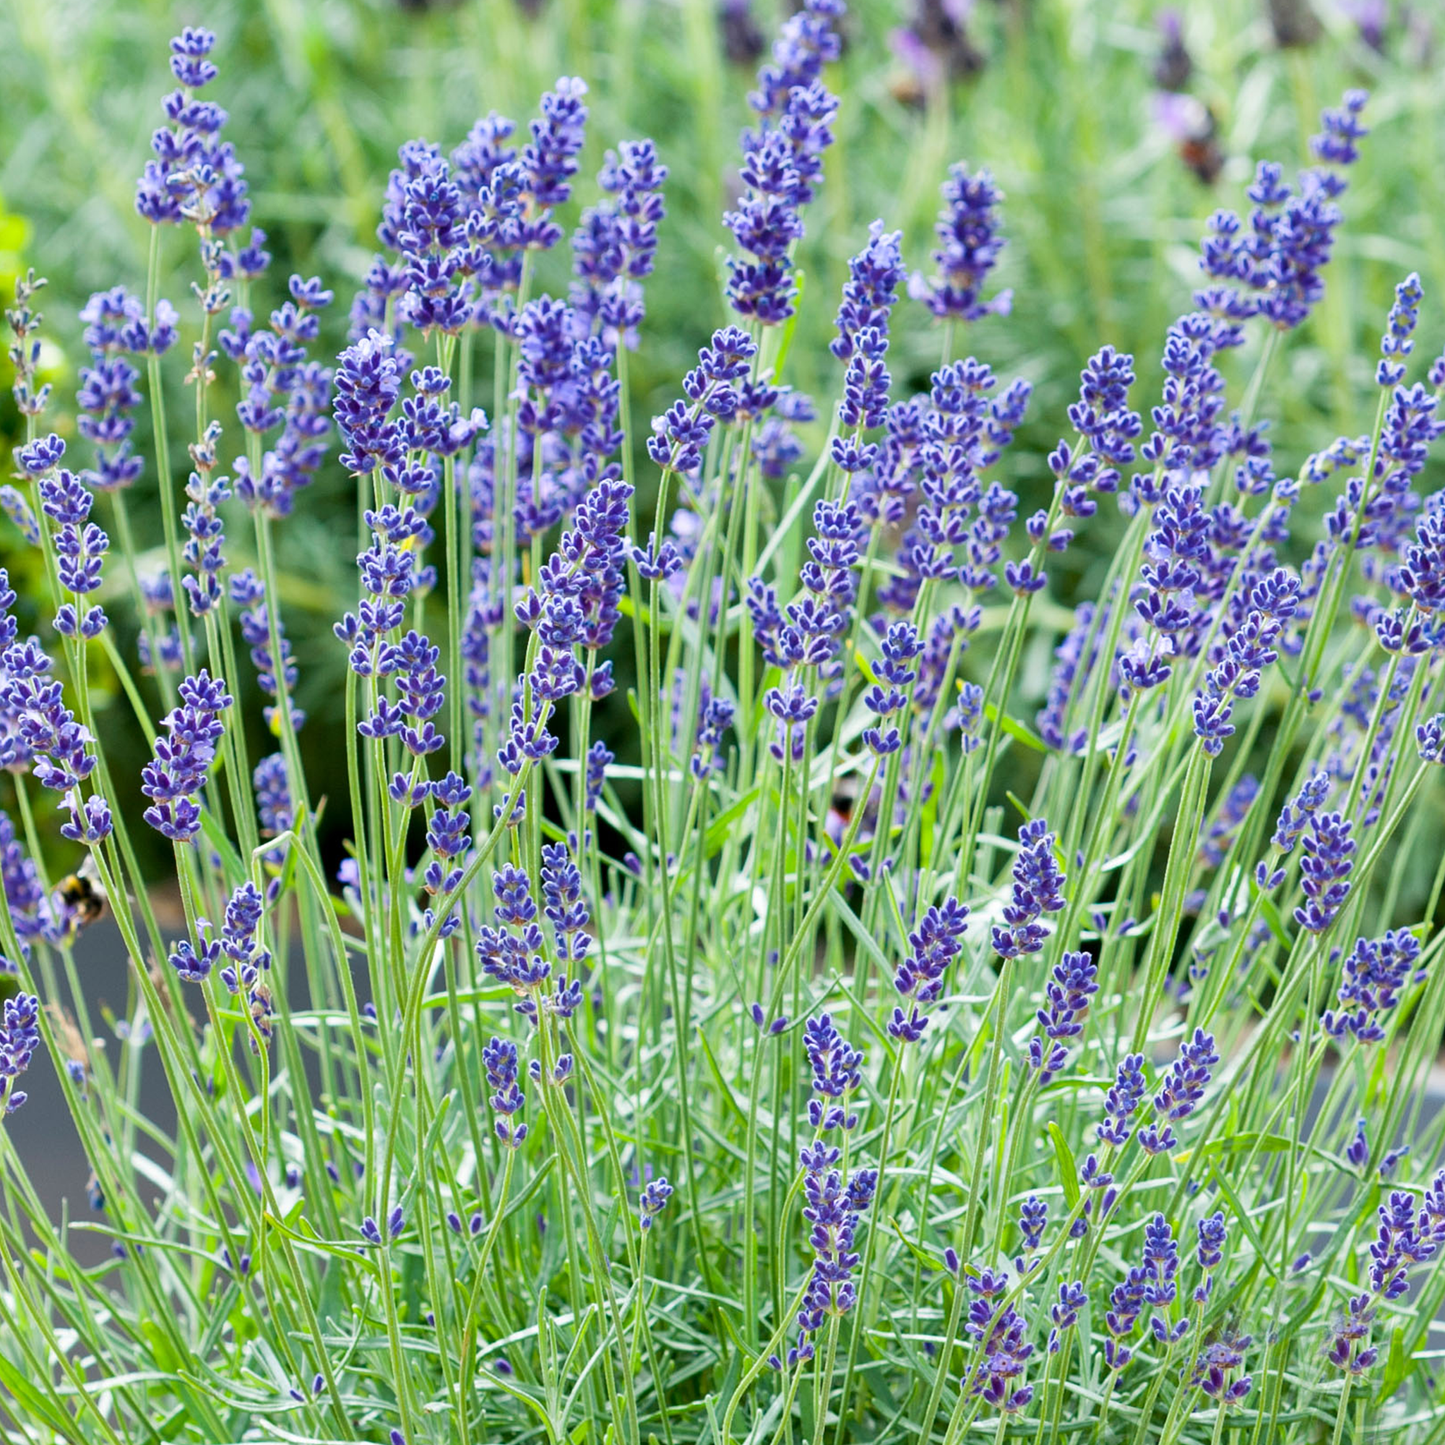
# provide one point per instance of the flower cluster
(936, 941)
(411, 664)
(782, 162)
(1122, 1102)
(39, 733)
(1003, 1351)
(205, 531)
(655, 1194)
(1408, 1236)
(1213, 1236)
(874, 275)
(1374, 974)
(1174, 552)
(448, 833)
(1216, 1362)
(714, 718)
(1037, 881)
(577, 607)
(614, 247)
(79, 544)
(1296, 814)
(31, 913)
(894, 675)
(549, 160)
(712, 394)
(836, 1072)
(1107, 430)
(499, 1058)
(285, 389)
(512, 952)
(566, 419)
(969, 247)
(107, 395)
(1325, 870)
(564, 906)
(1070, 990)
(19, 1038)
(195, 175)
(1272, 268)
(1190, 435)
(806, 635)
(247, 962)
(174, 779)
(248, 594)
(962, 432)
(1151, 1284)
(1180, 1092)
(1400, 326)
(1064, 1314)
(1422, 571)
(239, 939)
(1247, 652)
(833, 1210)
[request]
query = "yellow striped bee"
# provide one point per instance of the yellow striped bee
(82, 895)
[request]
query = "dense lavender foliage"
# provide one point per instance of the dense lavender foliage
(858, 1058)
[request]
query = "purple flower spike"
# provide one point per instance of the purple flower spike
(654, 1200)
(1375, 974)
(1070, 990)
(183, 759)
(935, 942)
(1036, 891)
(1122, 1101)
(1325, 870)
(969, 247)
(195, 176)
(837, 1071)
(1182, 1089)
(19, 1038)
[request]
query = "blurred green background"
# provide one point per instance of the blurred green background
(1108, 178)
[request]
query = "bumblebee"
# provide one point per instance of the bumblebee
(82, 896)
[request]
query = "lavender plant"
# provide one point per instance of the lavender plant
(851, 1058)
